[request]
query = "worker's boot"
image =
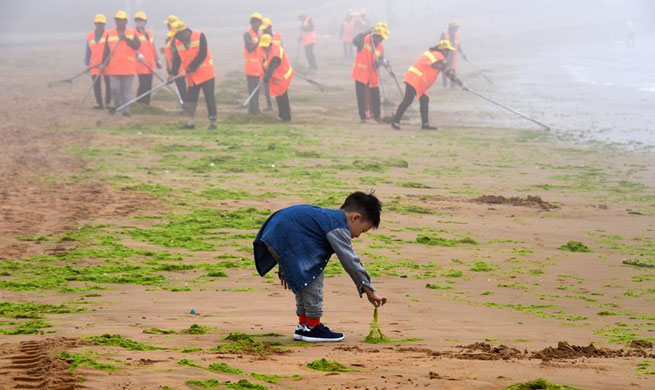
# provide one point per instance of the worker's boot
(395, 125)
(212, 123)
(426, 126)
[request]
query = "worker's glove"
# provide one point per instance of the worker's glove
(190, 70)
(158, 65)
(140, 57)
(266, 79)
(458, 81)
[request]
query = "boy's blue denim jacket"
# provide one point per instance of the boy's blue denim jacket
(304, 238)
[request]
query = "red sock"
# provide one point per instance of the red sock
(312, 322)
(302, 319)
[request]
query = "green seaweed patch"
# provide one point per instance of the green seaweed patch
(244, 384)
(429, 239)
(116, 340)
(480, 266)
(28, 327)
(539, 384)
(437, 287)
(158, 331)
(452, 273)
(189, 363)
(646, 367)
(575, 246)
(273, 378)
(412, 184)
(32, 310)
(223, 367)
(75, 360)
(244, 343)
(206, 384)
(328, 366)
(191, 231)
(196, 329)
(191, 350)
(375, 335)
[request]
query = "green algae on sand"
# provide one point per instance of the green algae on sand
(375, 335)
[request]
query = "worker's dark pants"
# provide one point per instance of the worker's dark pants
(410, 94)
(283, 107)
(97, 90)
(253, 105)
(360, 90)
(309, 53)
(181, 87)
(268, 95)
(348, 49)
(145, 85)
(208, 92)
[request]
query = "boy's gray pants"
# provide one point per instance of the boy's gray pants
(121, 90)
(309, 300)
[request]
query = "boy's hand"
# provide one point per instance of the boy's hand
(283, 283)
(374, 298)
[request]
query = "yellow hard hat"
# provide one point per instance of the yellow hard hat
(100, 18)
(265, 23)
(454, 23)
(265, 40)
(171, 19)
(140, 15)
(178, 26)
(381, 31)
(383, 25)
(444, 44)
(256, 15)
(120, 15)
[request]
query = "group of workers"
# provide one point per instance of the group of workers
(115, 56)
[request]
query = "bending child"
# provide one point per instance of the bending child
(301, 239)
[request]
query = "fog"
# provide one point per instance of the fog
(565, 60)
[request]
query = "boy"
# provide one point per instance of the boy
(301, 239)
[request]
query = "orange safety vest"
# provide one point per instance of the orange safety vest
(308, 37)
(348, 30)
(277, 38)
(147, 48)
(421, 75)
(364, 70)
(123, 59)
(252, 59)
(283, 74)
(453, 61)
(205, 71)
(97, 49)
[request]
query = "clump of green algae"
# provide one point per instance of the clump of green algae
(375, 335)
(328, 366)
(539, 384)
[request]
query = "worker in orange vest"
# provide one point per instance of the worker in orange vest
(191, 56)
(93, 59)
(451, 35)
(420, 77)
(348, 33)
(180, 83)
(253, 61)
(119, 57)
(147, 58)
(267, 28)
(361, 21)
(308, 39)
(278, 74)
(366, 74)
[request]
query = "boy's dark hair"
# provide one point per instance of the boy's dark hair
(366, 204)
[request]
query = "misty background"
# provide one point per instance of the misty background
(566, 62)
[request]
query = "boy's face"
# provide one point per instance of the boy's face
(357, 224)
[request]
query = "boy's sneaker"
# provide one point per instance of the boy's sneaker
(320, 334)
(301, 330)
